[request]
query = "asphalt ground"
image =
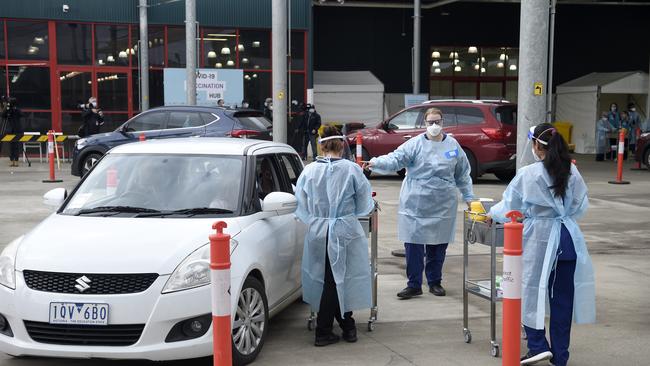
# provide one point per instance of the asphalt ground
(428, 330)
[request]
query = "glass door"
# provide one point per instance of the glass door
(113, 96)
(76, 87)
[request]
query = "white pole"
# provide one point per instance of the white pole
(190, 51)
(551, 53)
(416, 46)
(279, 69)
(143, 54)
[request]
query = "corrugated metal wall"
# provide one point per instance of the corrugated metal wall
(219, 13)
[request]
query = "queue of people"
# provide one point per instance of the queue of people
(332, 193)
(610, 124)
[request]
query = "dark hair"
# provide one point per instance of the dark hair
(334, 145)
(557, 160)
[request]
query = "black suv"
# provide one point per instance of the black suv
(171, 122)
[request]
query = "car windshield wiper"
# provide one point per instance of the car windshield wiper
(188, 211)
(117, 209)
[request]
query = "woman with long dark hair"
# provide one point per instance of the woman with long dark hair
(556, 265)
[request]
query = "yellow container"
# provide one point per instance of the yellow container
(477, 211)
(565, 129)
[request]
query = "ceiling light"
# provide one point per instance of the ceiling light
(457, 69)
(254, 76)
(256, 67)
(500, 65)
(340, 1)
(502, 57)
(472, 50)
(110, 58)
(101, 62)
(132, 50)
(32, 50)
(513, 67)
(482, 70)
(218, 65)
(456, 61)
(39, 40)
(122, 54)
(476, 67)
(435, 54)
(212, 54)
(482, 59)
(244, 60)
(247, 77)
(240, 47)
(221, 35)
(230, 63)
(435, 64)
(437, 71)
(256, 44)
(453, 55)
(225, 51)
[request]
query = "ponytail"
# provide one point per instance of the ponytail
(557, 160)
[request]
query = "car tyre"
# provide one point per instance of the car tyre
(250, 322)
(89, 161)
(505, 175)
(472, 164)
(646, 158)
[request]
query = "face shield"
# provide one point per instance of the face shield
(347, 153)
(527, 155)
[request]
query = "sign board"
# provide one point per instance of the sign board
(211, 85)
(538, 89)
(414, 99)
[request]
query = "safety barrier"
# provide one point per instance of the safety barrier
(511, 285)
(31, 137)
(621, 152)
(359, 148)
(220, 276)
(50, 157)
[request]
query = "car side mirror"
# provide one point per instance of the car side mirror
(55, 197)
(280, 202)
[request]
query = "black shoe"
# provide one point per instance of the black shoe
(350, 335)
(437, 290)
(326, 340)
(409, 292)
(531, 359)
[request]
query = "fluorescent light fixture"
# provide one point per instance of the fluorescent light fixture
(212, 54)
(435, 54)
(435, 64)
(437, 71)
(458, 69)
(214, 39)
(472, 49)
(256, 44)
(230, 63)
(500, 65)
(513, 67)
(225, 51)
(218, 65)
(221, 35)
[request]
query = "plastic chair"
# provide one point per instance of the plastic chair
(32, 145)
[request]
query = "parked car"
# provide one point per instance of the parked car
(486, 130)
(643, 149)
(171, 122)
(121, 270)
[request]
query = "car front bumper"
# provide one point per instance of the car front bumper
(159, 312)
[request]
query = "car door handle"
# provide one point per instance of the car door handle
(407, 137)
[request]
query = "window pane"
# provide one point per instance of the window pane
(513, 62)
(147, 122)
(176, 47)
(184, 120)
(257, 51)
(74, 43)
(449, 116)
(27, 40)
(30, 86)
(208, 118)
(3, 80)
(511, 91)
(2, 39)
(465, 90)
(113, 120)
(442, 61)
(293, 175)
(156, 97)
(156, 45)
(492, 90)
(495, 60)
(469, 116)
(37, 122)
(466, 63)
(440, 89)
(405, 120)
(506, 114)
(257, 87)
(71, 122)
(112, 91)
(297, 50)
(298, 87)
(76, 88)
(111, 45)
(220, 48)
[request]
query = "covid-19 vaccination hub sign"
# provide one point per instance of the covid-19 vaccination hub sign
(211, 85)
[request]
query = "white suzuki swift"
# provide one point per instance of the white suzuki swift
(121, 270)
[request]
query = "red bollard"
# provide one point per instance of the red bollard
(359, 148)
(511, 285)
(621, 152)
(50, 158)
(220, 276)
(141, 137)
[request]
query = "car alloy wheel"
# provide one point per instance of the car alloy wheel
(89, 162)
(249, 325)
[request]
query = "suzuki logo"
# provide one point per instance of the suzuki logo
(82, 284)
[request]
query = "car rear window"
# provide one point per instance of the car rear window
(506, 114)
(469, 116)
(253, 120)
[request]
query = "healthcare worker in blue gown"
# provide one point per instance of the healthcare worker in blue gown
(556, 267)
(332, 194)
(436, 166)
(602, 142)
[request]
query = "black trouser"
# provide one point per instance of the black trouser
(329, 305)
(14, 151)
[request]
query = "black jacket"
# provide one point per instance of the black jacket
(310, 122)
(13, 116)
(92, 122)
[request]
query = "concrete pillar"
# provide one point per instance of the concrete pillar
(190, 51)
(533, 62)
(416, 46)
(279, 69)
(647, 101)
(143, 54)
(551, 53)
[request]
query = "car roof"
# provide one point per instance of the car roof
(203, 145)
(472, 101)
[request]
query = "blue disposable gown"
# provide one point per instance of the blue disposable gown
(544, 215)
(332, 195)
(614, 119)
(634, 124)
(428, 200)
(602, 141)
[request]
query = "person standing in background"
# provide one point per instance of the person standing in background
(602, 129)
(12, 115)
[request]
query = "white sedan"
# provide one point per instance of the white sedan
(121, 270)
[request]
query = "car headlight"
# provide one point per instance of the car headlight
(194, 271)
(81, 143)
(8, 264)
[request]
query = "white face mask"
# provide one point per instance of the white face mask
(271, 107)
(633, 109)
(434, 129)
(312, 110)
(535, 156)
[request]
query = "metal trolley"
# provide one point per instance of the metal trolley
(481, 232)
(370, 226)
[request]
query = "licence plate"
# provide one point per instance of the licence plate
(78, 313)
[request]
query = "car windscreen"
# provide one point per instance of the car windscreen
(253, 120)
(506, 114)
(160, 183)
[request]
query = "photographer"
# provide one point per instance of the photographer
(11, 116)
(93, 118)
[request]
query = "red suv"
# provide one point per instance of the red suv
(487, 131)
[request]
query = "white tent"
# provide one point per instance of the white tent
(348, 96)
(581, 101)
